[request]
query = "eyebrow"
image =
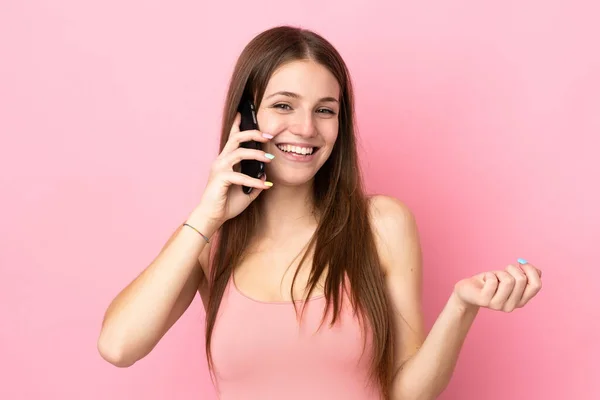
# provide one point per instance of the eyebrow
(297, 96)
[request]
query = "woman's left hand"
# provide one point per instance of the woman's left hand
(500, 290)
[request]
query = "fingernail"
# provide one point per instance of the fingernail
(522, 261)
(266, 135)
(269, 156)
(269, 184)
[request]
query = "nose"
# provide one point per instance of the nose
(304, 125)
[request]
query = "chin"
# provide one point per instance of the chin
(293, 178)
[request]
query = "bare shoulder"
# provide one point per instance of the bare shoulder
(387, 211)
(397, 240)
(395, 229)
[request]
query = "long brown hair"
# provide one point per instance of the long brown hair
(344, 246)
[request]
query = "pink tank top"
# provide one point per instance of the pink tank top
(261, 352)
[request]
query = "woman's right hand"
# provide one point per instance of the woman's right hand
(223, 197)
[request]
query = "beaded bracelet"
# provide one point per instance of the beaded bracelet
(204, 237)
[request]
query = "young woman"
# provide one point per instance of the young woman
(312, 289)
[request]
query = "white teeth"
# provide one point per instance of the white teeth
(296, 149)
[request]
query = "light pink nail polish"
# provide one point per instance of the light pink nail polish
(266, 135)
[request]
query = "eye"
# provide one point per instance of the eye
(282, 106)
(326, 111)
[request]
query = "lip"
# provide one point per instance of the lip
(296, 144)
(297, 157)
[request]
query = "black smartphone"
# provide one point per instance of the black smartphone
(252, 168)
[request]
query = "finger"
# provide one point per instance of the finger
(236, 138)
(254, 194)
(237, 178)
(236, 124)
(524, 262)
(241, 153)
(534, 283)
(517, 293)
(505, 287)
(490, 286)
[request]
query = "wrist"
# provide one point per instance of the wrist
(199, 220)
(460, 306)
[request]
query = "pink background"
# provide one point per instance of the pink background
(484, 117)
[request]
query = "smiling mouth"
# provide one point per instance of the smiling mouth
(297, 150)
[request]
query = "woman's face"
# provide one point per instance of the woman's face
(300, 109)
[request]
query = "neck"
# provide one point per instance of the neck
(286, 209)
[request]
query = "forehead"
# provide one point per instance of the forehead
(304, 77)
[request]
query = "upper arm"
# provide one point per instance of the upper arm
(399, 249)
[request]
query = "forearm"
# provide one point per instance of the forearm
(136, 319)
(426, 374)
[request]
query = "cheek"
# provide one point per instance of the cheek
(269, 122)
(328, 129)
